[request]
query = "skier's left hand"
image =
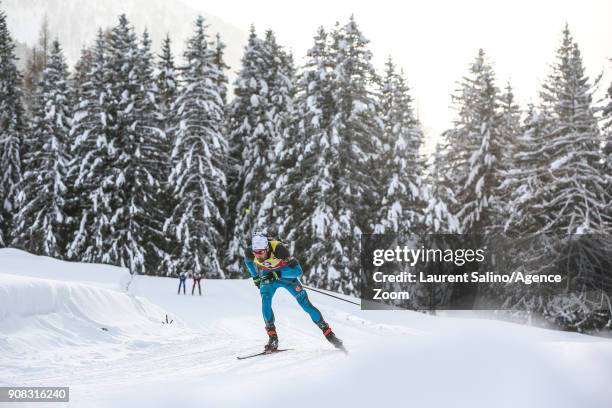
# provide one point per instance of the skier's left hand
(272, 276)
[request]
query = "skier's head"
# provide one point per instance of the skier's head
(259, 245)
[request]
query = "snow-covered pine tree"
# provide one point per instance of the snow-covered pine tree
(35, 65)
(222, 67)
(607, 143)
(109, 131)
(510, 126)
(222, 84)
(510, 132)
(438, 218)
(521, 182)
(167, 85)
(12, 131)
(474, 149)
(117, 239)
(41, 223)
(307, 192)
(563, 197)
(148, 162)
(280, 80)
(473, 156)
(438, 223)
(576, 196)
(250, 152)
(91, 155)
(198, 174)
(167, 79)
(81, 71)
(399, 160)
(334, 188)
(525, 178)
(359, 128)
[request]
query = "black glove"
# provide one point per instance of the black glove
(257, 281)
(293, 263)
(272, 276)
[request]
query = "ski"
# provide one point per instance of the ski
(263, 353)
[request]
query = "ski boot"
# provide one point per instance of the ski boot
(272, 345)
(330, 336)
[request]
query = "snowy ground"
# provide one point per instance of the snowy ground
(52, 314)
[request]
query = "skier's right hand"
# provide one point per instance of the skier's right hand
(257, 281)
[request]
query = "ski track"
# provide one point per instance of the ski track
(168, 362)
(199, 352)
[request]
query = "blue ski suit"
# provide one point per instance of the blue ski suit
(182, 278)
(278, 256)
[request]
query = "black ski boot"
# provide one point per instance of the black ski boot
(272, 340)
(330, 336)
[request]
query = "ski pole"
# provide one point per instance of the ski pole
(330, 295)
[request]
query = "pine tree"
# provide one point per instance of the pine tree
(198, 174)
(148, 158)
(307, 155)
(279, 76)
(356, 123)
(168, 86)
(12, 130)
(250, 152)
(562, 198)
(574, 194)
(35, 65)
(607, 144)
(92, 156)
(357, 130)
(510, 132)
(112, 152)
(438, 218)
(222, 67)
(81, 71)
(525, 178)
(41, 222)
(113, 240)
(399, 159)
(510, 127)
(338, 133)
(119, 241)
(475, 149)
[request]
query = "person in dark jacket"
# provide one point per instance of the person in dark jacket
(197, 276)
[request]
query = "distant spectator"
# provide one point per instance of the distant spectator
(182, 278)
(197, 276)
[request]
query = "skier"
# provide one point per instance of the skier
(196, 280)
(271, 266)
(182, 278)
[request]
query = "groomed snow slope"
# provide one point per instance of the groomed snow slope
(52, 314)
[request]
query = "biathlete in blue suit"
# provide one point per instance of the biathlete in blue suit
(271, 266)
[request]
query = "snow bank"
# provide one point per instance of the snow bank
(17, 262)
(45, 322)
(24, 297)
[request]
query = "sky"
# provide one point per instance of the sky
(435, 41)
